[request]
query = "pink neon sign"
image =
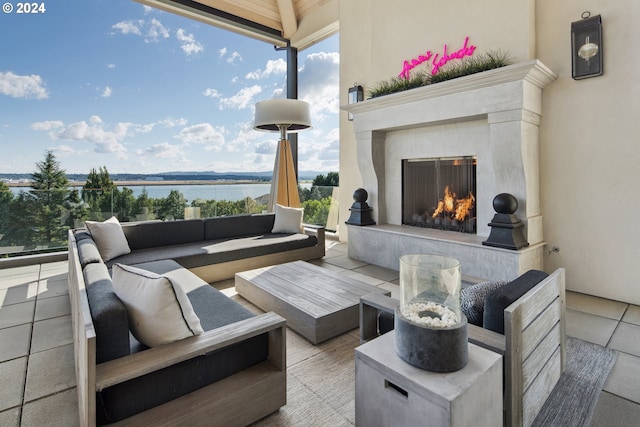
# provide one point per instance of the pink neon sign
(436, 63)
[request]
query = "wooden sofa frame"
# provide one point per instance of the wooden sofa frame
(239, 399)
(533, 345)
(227, 270)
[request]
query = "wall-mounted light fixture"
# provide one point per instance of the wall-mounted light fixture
(356, 94)
(586, 47)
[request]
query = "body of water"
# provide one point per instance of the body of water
(191, 192)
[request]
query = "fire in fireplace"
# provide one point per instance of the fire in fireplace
(440, 193)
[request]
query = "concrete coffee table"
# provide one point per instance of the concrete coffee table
(316, 302)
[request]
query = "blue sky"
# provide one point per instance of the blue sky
(114, 83)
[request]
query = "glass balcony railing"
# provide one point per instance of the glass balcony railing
(34, 222)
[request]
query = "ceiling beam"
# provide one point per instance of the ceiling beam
(288, 18)
(219, 18)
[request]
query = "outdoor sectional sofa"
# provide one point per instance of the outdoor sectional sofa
(233, 372)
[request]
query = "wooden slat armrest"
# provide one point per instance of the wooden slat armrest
(313, 226)
(487, 339)
(314, 230)
(380, 302)
(125, 368)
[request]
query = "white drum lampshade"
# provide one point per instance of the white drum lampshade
(283, 115)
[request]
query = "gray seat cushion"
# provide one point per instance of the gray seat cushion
(198, 254)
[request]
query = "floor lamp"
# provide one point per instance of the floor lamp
(283, 115)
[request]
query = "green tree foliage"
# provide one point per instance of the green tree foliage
(50, 190)
(213, 208)
(21, 231)
(6, 196)
(316, 201)
(100, 192)
(172, 207)
(321, 187)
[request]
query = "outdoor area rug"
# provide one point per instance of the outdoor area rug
(574, 398)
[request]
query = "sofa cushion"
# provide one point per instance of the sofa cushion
(159, 310)
(498, 300)
(237, 226)
(198, 254)
(109, 315)
(109, 238)
(87, 249)
(154, 234)
(288, 220)
(472, 300)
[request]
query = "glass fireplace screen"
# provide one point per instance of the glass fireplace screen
(440, 193)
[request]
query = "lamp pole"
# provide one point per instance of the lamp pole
(292, 93)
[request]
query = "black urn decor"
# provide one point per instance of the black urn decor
(360, 210)
(506, 228)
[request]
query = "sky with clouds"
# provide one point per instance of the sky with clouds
(114, 83)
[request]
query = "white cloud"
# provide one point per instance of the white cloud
(188, 43)
(111, 66)
(106, 93)
(163, 150)
(203, 133)
(105, 140)
(152, 31)
(277, 66)
(156, 31)
(319, 83)
(27, 87)
(243, 99)
(47, 125)
(231, 59)
(129, 27)
(170, 122)
(63, 151)
(211, 93)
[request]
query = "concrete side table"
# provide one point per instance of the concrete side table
(391, 392)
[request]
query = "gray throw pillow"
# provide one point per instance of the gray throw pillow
(472, 300)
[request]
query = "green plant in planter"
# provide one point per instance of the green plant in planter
(465, 67)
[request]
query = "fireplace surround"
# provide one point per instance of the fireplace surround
(491, 116)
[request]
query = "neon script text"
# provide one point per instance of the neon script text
(438, 61)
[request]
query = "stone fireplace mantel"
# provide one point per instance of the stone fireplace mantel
(493, 115)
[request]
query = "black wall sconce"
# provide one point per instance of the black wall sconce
(586, 47)
(356, 94)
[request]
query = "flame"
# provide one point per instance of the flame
(457, 208)
(463, 206)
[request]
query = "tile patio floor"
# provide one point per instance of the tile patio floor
(37, 382)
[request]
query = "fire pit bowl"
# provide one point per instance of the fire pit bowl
(430, 329)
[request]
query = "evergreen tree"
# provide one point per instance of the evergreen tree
(22, 217)
(172, 207)
(100, 192)
(6, 197)
(49, 185)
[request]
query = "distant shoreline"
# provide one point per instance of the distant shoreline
(164, 182)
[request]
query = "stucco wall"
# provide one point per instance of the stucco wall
(589, 135)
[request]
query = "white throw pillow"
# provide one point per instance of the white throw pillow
(288, 220)
(159, 310)
(109, 238)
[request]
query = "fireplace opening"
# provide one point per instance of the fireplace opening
(440, 193)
